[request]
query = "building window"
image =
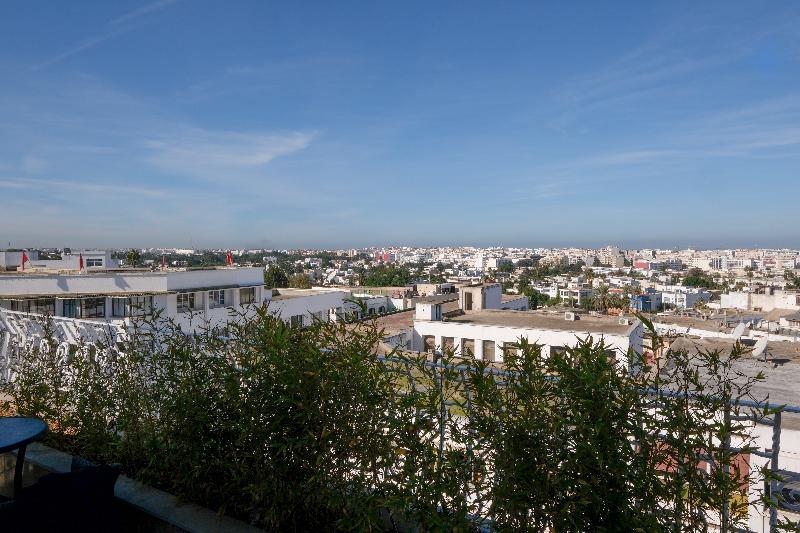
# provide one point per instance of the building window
(141, 305)
(556, 350)
(185, 301)
(296, 321)
(509, 347)
(41, 306)
(448, 344)
(94, 263)
(467, 347)
(44, 306)
(430, 343)
(216, 298)
(70, 308)
(488, 351)
(247, 296)
(119, 307)
(133, 306)
(93, 308)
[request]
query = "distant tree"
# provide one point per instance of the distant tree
(792, 279)
(506, 267)
(275, 277)
(596, 262)
(535, 298)
(133, 258)
(386, 276)
(300, 281)
(695, 277)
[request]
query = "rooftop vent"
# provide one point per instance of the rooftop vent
(570, 316)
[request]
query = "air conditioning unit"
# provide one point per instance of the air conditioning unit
(569, 316)
(624, 321)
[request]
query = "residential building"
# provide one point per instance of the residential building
(191, 298)
(485, 334)
(650, 301)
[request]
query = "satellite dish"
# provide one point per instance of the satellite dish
(739, 331)
(760, 347)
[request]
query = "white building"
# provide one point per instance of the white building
(485, 334)
(11, 259)
(684, 297)
(489, 296)
(192, 298)
(92, 260)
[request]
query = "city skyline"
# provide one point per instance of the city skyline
(186, 123)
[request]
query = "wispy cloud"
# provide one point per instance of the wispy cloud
(78, 186)
(221, 155)
(144, 10)
(119, 26)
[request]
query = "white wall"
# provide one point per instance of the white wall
(502, 334)
(314, 301)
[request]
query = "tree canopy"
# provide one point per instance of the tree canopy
(275, 277)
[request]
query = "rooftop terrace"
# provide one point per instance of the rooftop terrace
(543, 320)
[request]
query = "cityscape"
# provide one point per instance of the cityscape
(440, 267)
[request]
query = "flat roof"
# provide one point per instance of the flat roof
(543, 320)
(288, 294)
(393, 323)
(99, 271)
(780, 370)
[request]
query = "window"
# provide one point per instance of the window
(316, 316)
(509, 347)
(296, 321)
(216, 298)
(141, 305)
(42, 306)
(430, 343)
(447, 344)
(133, 306)
(93, 308)
(94, 263)
(23, 306)
(119, 307)
(185, 301)
(554, 350)
(488, 350)
(467, 347)
(247, 296)
(70, 309)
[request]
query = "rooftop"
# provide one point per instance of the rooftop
(543, 320)
(288, 294)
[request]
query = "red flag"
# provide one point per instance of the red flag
(24, 259)
(80, 263)
(229, 258)
(163, 262)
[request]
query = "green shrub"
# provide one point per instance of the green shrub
(305, 429)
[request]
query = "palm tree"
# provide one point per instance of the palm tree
(601, 299)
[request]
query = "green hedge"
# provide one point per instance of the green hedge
(304, 429)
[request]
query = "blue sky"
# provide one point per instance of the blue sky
(326, 124)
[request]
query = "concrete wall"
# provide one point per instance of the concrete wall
(764, 302)
(329, 303)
